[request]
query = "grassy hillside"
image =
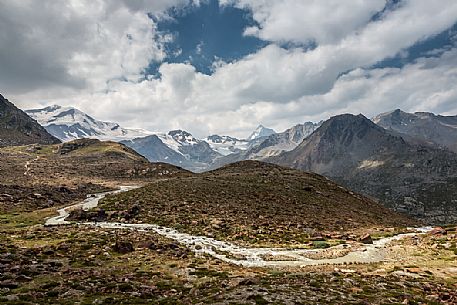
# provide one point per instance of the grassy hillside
(36, 176)
(254, 202)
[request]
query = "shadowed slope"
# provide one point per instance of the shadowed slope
(363, 156)
(17, 128)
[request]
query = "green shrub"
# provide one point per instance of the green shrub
(320, 244)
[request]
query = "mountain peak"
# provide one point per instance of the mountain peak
(183, 137)
(393, 116)
(261, 131)
(341, 141)
(421, 127)
(52, 108)
(348, 121)
(17, 128)
(179, 132)
(69, 123)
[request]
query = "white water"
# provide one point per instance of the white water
(231, 253)
(90, 203)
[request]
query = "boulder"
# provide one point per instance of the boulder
(366, 239)
(438, 231)
(123, 247)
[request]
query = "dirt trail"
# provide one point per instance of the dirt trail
(246, 257)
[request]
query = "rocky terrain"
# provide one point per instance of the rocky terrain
(421, 127)
(64, 265)
(261, 148)
(37, 176)
(255, 203)
(17, 128)
(352, 150)
(250, 203)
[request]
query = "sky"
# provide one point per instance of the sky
(226, 66)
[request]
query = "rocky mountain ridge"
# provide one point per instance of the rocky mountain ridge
(365, 157)
(260, 132)
(273, 145)
(17, 128)
(421, 127)
(177, 147)
(68, 123)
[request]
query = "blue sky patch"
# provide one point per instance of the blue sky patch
(210, 32)
(205, 34)
(430, 47)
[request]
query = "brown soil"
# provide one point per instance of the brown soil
(254, 202)
(62, 173)
(83, 265)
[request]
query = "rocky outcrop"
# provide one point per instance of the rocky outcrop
(354, 151)
(68, 147)
(17, 128)
(272, 145)
(421, 127)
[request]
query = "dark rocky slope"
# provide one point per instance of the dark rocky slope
(421, 127)
(17, 128)
(361, 155)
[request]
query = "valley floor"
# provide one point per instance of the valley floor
(95, 265)
(346, 253)
(247, 205)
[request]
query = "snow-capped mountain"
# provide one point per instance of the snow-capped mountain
(261, 132)
(177, 147)
(226, 145)
(263, 147)
(421, 127)
(277, 143)
(181, 148)
(67, 123)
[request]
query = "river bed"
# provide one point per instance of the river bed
(242, 256)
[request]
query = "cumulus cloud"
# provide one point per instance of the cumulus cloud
(277, 75)
(75, 44)
(149, 6)
(425, 85)
(98, 69)
(309, 20)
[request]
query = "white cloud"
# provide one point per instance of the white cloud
(274, 86)
(75, 43)
(148, 5)
(427, 85)
(303, 21)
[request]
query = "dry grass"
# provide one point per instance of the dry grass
(253, 202)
